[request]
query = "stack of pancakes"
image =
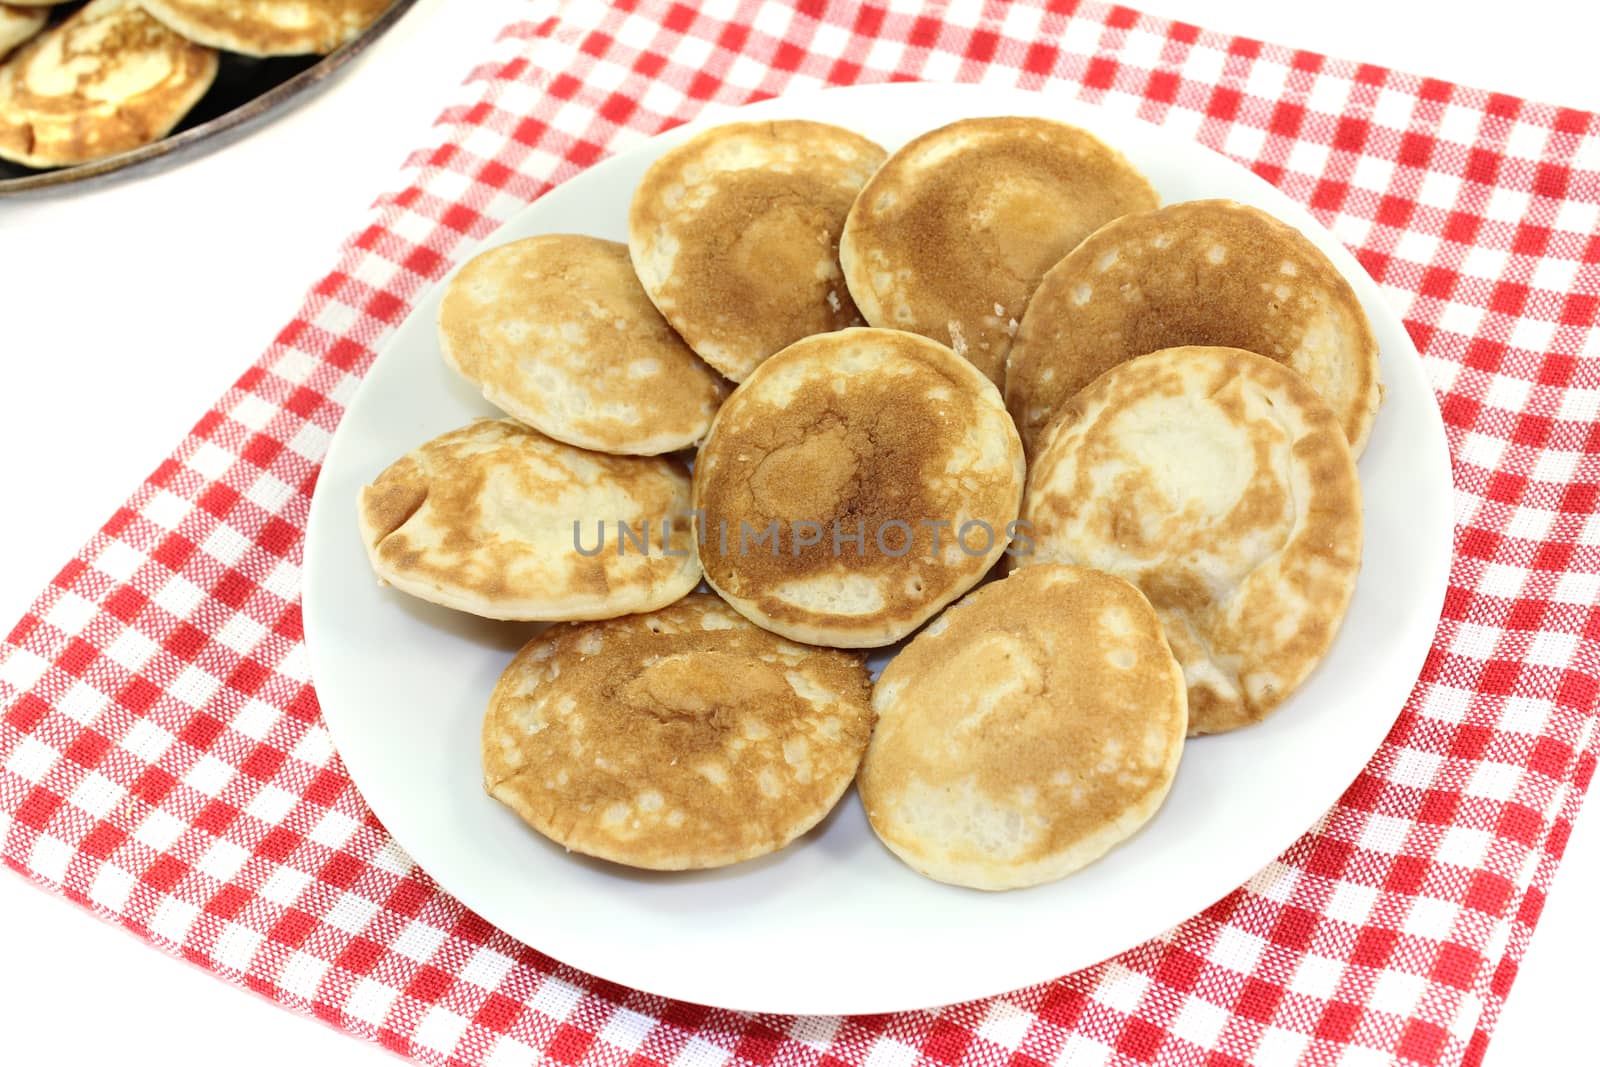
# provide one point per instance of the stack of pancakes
(846, 387)
(112, 75)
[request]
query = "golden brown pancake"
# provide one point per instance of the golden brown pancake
(1221, 484)
(735, 235)
(953, 233)
(1030, 728)
(1205, 272)
(268, 27)
(499, 520)
(19, 24)
(828, 474)
(108, 79)
(681, 739)
(558, 333)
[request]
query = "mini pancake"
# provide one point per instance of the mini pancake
(1029, 729)
(498, 520)
(683, 739)
(558, 333)
(268, 27)
(1205, 272)
(855, 484)
(952, 234)
(1220, 483)
(108, 79)
(735, 235)
(19, 24)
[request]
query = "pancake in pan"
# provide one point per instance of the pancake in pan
(482, 519)
(20, 24)
(558, 333)
(735, 235)
(1220, 483)
(832, 473)
(268, 27)
(1205, 272)
(1030, 728)
(953, 233)
(108, 79)
(682, 739)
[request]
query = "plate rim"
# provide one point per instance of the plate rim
(1073, 109)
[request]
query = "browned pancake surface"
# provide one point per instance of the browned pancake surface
(863, 432)
(558, 333)
(1204, 272)
(1219, 483)
(682, 739)
(268, 27)
(481, 519)
(735, 236)
(1028, 729)
(109, 79)
(953, 233)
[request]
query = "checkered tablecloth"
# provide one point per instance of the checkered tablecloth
(162, 758)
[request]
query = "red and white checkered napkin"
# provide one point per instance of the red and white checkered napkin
(162, 759)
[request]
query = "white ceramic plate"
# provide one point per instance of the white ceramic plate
(834, 924)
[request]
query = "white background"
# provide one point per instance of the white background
(128, 308)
